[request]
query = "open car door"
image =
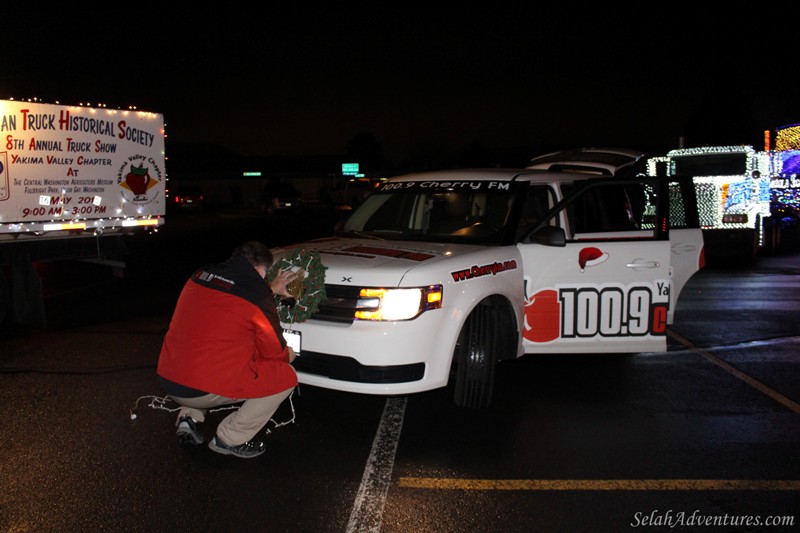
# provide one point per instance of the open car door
(598, 267)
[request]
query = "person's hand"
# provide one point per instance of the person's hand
(283, 278)
(292, 355)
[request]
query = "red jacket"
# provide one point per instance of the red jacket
(225, 338)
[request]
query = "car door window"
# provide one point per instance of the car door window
(610, 208)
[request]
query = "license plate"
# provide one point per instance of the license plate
(292, 339)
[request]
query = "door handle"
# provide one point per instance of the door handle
(644, 264)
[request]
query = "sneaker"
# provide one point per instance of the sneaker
(188, 431)
(244, 451)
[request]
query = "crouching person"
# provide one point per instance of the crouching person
(225, 345)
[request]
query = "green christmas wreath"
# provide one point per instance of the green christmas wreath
(308, 289)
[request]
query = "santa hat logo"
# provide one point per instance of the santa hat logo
(589, 257)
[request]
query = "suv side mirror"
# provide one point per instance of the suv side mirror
(549, 236)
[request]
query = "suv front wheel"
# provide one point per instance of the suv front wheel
(476, 354)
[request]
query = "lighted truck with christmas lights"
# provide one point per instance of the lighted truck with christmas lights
(785, 188)
(438, 276)
(785, 183)
(68, 172)
(733, 196)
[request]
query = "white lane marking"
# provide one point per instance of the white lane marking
(367, 513)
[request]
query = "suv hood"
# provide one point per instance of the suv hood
(370, 262)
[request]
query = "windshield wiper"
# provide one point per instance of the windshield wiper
(360, 234)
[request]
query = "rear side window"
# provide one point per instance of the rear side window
(631, 205)
(614, 207)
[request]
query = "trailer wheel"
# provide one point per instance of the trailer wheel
(479, 344)
(749, 253)
(772, 235)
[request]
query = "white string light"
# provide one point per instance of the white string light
(159, 403)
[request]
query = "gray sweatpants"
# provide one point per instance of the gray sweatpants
(242, 424)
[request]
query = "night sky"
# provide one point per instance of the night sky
(506, 82)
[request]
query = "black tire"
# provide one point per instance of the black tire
(479, 344)
(772, 235)
(749, 254)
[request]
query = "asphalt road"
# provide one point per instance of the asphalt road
(707, 431)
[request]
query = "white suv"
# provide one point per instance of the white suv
(441, 275)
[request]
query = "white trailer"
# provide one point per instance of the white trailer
(73, 181)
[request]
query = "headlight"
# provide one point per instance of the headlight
(397, 304)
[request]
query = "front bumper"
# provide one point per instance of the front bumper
(400, 357)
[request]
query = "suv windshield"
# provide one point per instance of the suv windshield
(471, 211)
